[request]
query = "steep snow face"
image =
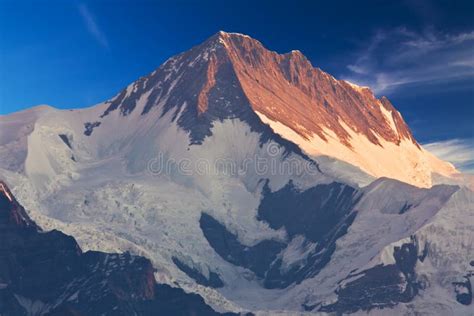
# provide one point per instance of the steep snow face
(357, 87)
(14, 131)
(404, 161)
(450, 249)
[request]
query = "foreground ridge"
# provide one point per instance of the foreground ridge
(62, 280)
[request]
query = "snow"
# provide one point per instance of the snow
(109, 201)
(296, 252)
(386, 255)
(233, 33)
(356, 87)
(388, 117)
(405, 162)
(375, 232)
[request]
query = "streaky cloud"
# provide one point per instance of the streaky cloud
(92, 26)
(460, 152)
(400, 57)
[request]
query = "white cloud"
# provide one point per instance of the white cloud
(460, 152)
(91, 25)
(401, 57)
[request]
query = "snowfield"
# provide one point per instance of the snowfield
(108, 200)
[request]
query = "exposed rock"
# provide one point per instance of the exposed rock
(89, 127)
(382, 286)
(320, 214)
(257, 258)
(213, 280)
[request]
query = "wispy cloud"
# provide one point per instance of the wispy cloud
(460, 152)
(91, 25)
(402, 57)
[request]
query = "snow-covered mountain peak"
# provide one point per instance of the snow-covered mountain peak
(247, 176)
(232, 76)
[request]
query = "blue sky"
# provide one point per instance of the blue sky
(418, 53)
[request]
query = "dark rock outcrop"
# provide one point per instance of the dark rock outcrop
(89, 127)
(320, 214)
(213, 280)
(312, 213)
(66, 140)
(257, 258)
(463, 291)
(382, 286)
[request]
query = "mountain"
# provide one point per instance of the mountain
(256, 181)
(303, 104)
(232, 76)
